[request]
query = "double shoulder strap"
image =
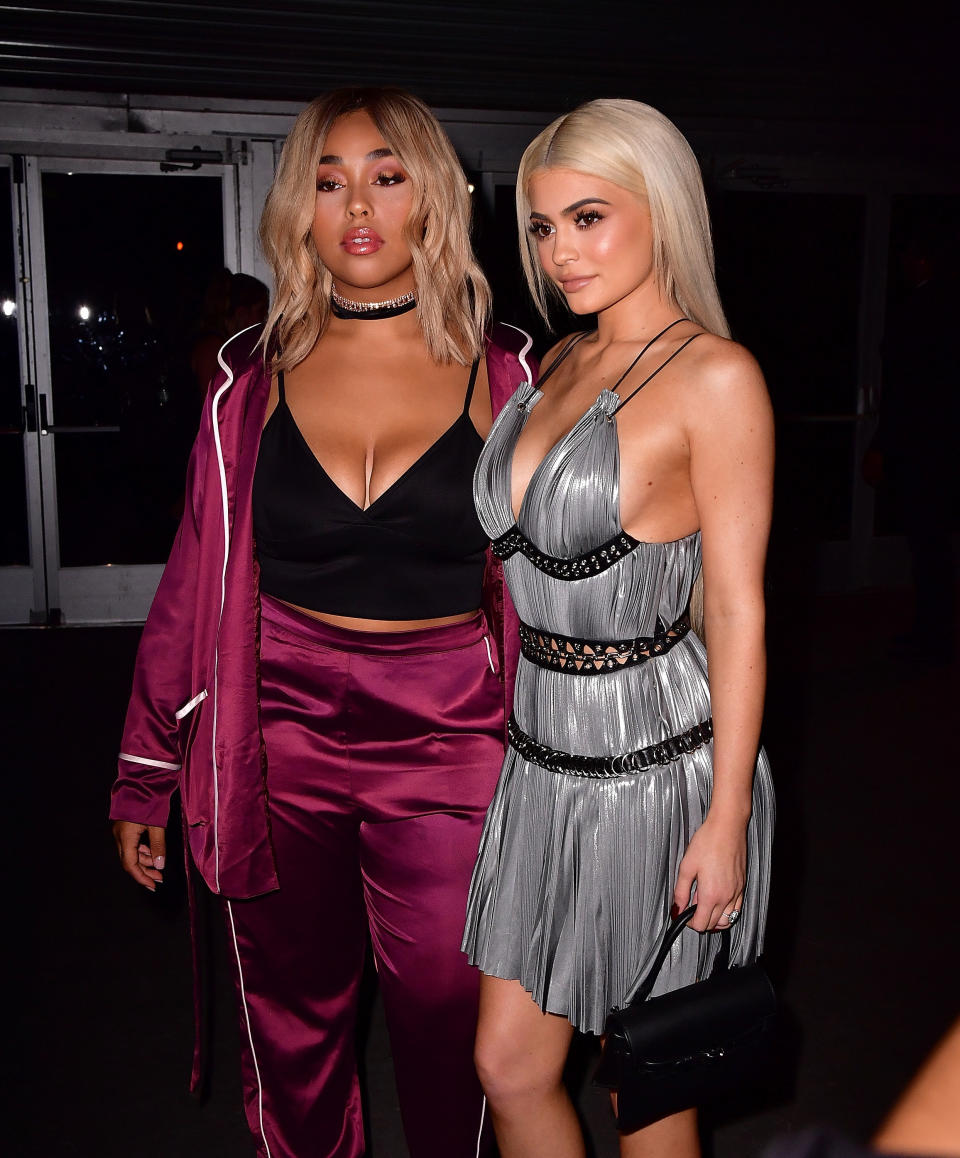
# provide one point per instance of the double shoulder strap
(579, 338)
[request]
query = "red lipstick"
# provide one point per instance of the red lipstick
(361, 240)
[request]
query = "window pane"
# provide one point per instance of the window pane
(128, 261)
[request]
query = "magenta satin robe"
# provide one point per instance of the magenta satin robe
(194, 719)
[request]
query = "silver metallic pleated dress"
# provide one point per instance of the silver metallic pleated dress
(579, 856)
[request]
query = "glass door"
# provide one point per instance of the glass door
(22, 587)
(125, 263)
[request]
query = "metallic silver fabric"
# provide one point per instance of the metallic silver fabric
(575, 876)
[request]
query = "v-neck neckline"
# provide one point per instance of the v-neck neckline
(527, 405)
(412, 468)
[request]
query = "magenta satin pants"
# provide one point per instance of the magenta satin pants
(383, 751)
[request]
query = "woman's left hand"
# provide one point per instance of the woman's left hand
(716, 862)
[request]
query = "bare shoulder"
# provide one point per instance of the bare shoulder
(557, 349)
(723, 376)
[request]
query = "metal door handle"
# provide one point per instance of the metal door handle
(47, 427)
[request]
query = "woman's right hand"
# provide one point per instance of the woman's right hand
(144, 863)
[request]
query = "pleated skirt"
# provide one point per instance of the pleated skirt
(574, 882)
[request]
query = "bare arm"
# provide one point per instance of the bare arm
(730, 430)
(926, 1120)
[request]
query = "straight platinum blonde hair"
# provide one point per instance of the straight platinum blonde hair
(453, 297)
(637, 148)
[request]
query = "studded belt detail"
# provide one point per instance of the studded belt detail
(579, 567)
(588, 657)
(604, 767)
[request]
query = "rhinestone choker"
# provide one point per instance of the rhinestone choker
(345, 308)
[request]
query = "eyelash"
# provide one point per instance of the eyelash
(385, 180)
(584, 219)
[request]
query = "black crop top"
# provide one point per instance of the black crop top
(417, 552)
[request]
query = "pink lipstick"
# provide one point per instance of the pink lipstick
(571, 285)
(361, 240)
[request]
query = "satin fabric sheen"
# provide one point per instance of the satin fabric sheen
(317, 548)
(383, 751)
(201, 635)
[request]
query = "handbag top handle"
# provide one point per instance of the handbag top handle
(641, 990)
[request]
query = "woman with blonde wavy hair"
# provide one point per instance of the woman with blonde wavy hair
(633, 780)
(316, 675)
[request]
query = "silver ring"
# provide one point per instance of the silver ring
(733, 916)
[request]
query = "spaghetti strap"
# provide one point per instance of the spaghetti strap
(280, 395)
(655, 338)
(563, 353)
(470, 385)
(620, 405)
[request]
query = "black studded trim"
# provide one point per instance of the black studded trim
(588, 657)
(605, 767)
(579, 567)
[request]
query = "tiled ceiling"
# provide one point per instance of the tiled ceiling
(871, 64)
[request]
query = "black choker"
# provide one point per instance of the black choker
(344, 308)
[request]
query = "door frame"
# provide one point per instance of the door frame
(117, 593)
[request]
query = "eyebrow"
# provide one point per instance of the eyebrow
(375, 155)
(574, 207)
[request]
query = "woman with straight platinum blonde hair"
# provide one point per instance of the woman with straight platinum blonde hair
(317, 675)
(633, 783)
(639, 149)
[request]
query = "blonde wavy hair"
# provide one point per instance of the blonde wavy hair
(637, 148)
(453, 297)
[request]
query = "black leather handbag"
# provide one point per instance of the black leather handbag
(696, 1045)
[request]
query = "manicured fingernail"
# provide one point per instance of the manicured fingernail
(159, 862)
(674, 910)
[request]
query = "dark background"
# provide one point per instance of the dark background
(858, 940)
(881, 66)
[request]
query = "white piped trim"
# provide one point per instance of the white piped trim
(486, 640)
(190, 705)
(214, 405)
(246, 1017)
(483, 1110)
(522, 356)
(149, 763)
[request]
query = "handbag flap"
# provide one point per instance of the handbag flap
(713, 1014)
